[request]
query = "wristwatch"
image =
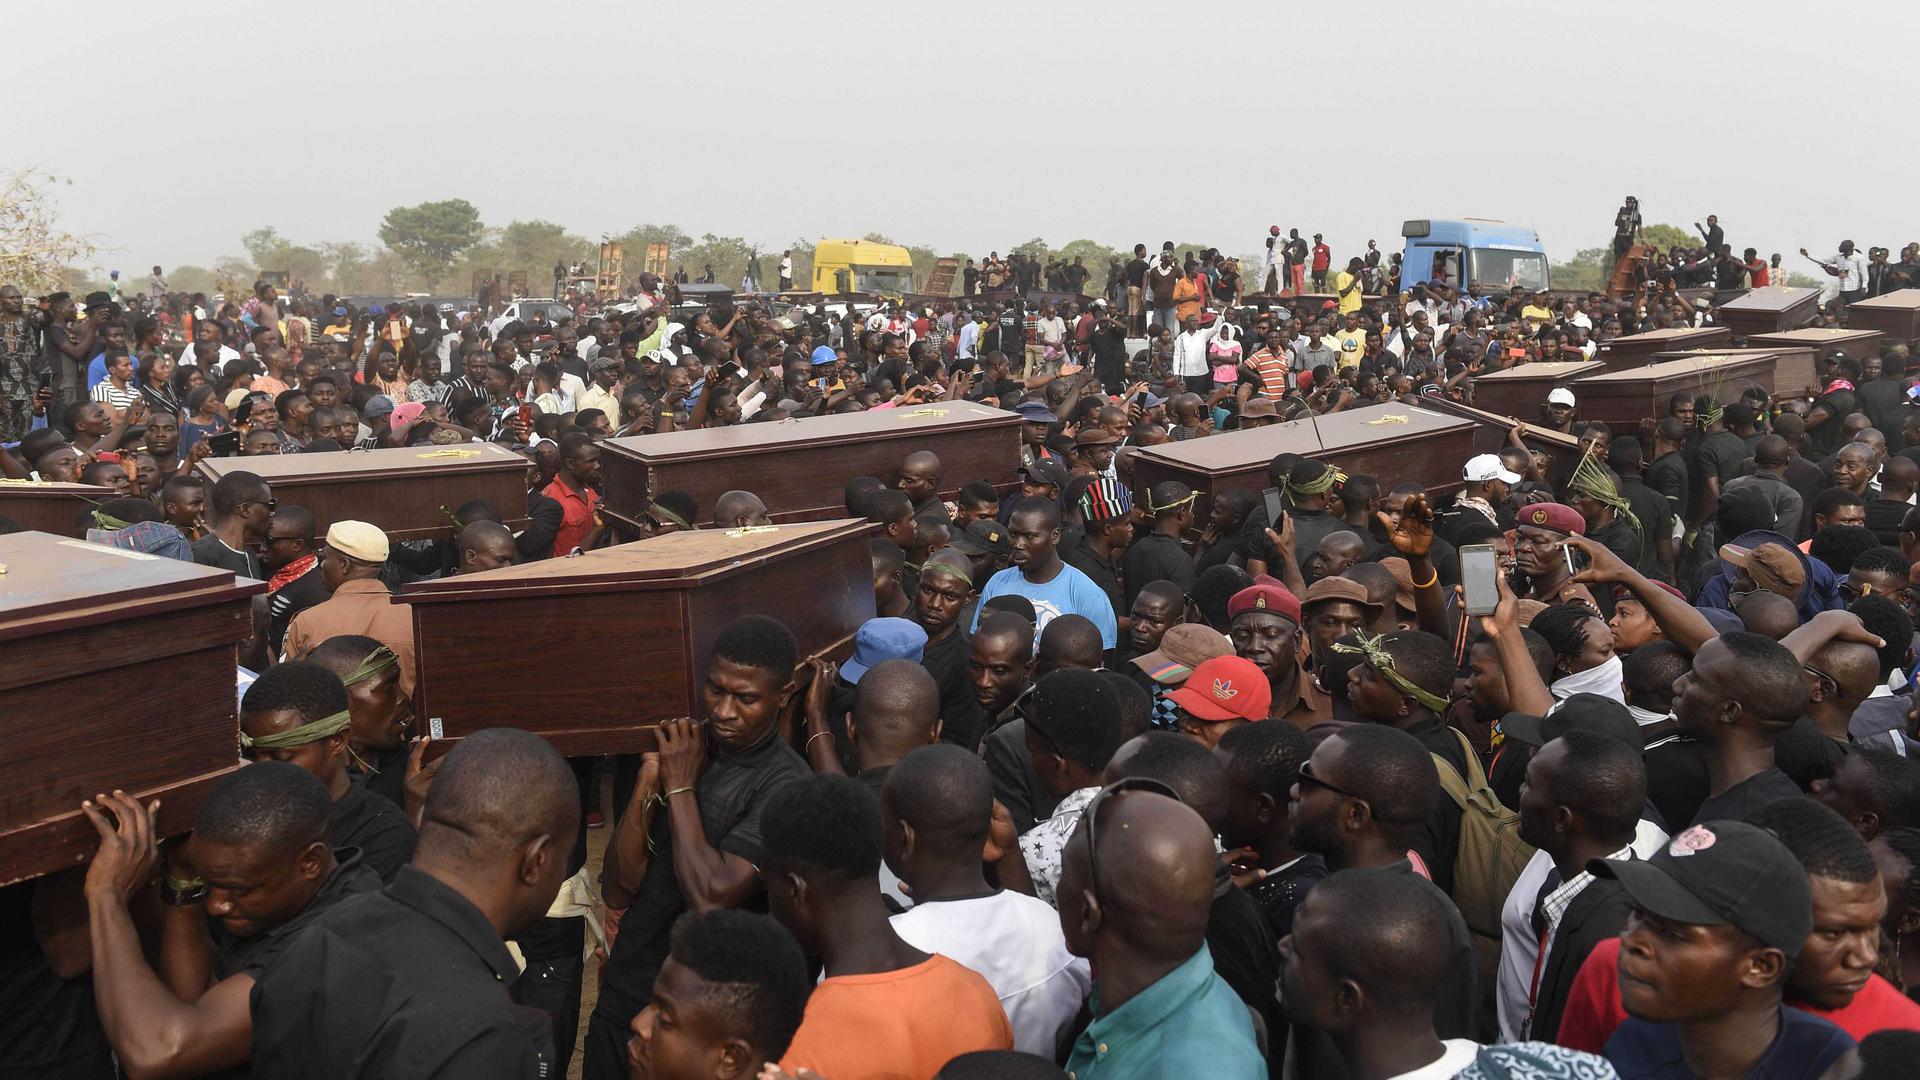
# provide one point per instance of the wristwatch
(177, 893)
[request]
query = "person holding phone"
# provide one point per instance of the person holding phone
(1546, 563)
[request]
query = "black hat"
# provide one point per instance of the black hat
(1578, 712)
(1723, 873)
(97, 300)
(1046, 472)
(983, 538)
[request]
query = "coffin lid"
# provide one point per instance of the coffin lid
(658, 562)
(338, 465)
(1813, 336)
(1770, 298)
(1354, 429)
(1658, 340)
(1492, 419)
(1543, 369)
(95, 492)
(53, 582)
(1898, 300)
(1732, 363)
(745, 439)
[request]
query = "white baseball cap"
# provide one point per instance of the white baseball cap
(1488, 467)
(1561, 396)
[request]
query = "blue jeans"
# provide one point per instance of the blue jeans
(1164, 316)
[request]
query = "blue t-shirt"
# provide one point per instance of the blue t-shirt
(96, 371)
(1069, 593)
(1805, 1046)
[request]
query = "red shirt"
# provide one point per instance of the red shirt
(1322, 255)
(1760, 273)
(1593, 1006)
(578, 508)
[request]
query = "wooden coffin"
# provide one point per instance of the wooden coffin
(1394, 442)
(1897, 315)
(116, 671)
(1633, 350)
(651, 609)
(409, 492)
(1625, 400)
(1824, 341)
(1795, 368)
(798, 467)
(1522, 391)
(1770, 310)
(1491, 434)
(47, 507)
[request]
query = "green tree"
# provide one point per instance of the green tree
(1588, 269)
(428, 237)
(1670, 236)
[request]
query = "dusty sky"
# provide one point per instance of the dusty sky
(973, 126)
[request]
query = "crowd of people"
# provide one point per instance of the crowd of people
(1118, 782)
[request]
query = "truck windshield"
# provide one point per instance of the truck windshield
(1505, 269)
(883, 279)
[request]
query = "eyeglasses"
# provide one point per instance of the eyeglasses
(1307, 780)
(1822, 676)
(270, 504)
(1092, 815)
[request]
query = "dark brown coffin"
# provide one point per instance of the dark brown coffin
(116, 671)
(1491, 434)
(595, 650)
(1897, 314)
(1396, 443)
(1795, 368)
(48, 507)
(799, 467)
(1625, 400)
(409, 492)
(1824, 341)
(1770, 310)
(1633, 350)
(1522, 391)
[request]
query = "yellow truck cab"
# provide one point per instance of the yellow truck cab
(861, 266)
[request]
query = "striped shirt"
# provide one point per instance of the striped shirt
(1273, 368)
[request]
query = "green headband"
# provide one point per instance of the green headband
(376, 662)
(1317, 487)
(1174, 505)
(325, 727)
(107, 521)
(672, 518)
(934, 566)
(1376, 654)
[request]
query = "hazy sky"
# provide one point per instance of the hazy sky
(973, 126)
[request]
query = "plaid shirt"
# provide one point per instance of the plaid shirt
(1032, 329)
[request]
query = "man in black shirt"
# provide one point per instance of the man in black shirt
(1648, 507)
(1741, 694)
(1667, 474)
(242, 505)
(1108, 340)
(379, 715)
(1825, 432)
(1107, 510)
(1262, 763)
(1720, 455)
(704, 850)
(1158, 556)
(294, 564)
(413, 980)
(946, 585)
(261, 872)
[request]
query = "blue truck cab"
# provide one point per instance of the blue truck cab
(1494, 255)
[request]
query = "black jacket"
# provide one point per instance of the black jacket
(1595, 915)
(545, 517)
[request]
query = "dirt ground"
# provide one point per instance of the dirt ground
(590, 981)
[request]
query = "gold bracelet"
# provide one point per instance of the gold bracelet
(671, 792)
(1429, 583)
(808, 745)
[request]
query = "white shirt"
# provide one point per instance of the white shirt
(1459, 1054)
(1853, 271)
(969, 340)
(1014, 942)
(1519, 948)
(786, 267)
(1042, 845)
(227, 355)
(1190, 349)
(1052, 331)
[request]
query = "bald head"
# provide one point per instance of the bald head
(942, 793)
(1854, 667)
(1385, 931)
(1158, 906)
(1899, 474)
(922, 459)
(735, 509)
(896, 709)
(1179, 762)
(484, 545)
(497, 789)
(1768, 614)
(1771, 452)
(1070, 641)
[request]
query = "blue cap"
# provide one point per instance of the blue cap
(376, 310)
(880, 640)
(1035, 412)
(824, 354)
(341, 310)
(1154, 400)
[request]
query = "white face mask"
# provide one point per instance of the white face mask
(1644, 717)
(1605, 680)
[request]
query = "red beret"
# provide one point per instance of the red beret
(1556, 516)
(1273, 599)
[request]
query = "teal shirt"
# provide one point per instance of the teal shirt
(1185, 1025)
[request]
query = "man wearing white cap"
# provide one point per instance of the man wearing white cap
(1560, 409)
(350, 563)
(1488, 484)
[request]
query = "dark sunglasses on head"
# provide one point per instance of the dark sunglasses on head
(1307, 780)
(1092, 816)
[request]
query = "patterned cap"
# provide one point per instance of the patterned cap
(1106, 499)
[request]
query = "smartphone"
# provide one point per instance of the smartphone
(1479, 563)
(1141, 399)
(526, 415)
(46, 380)
(225, 444)
(1567, 552)
(1276, 513)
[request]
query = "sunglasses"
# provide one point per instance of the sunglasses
(1092, 815)
(270, 504)
(1307, 780)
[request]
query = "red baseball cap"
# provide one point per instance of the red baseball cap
(1225, 688)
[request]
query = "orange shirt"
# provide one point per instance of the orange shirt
(898, 1025)
(578, 509)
